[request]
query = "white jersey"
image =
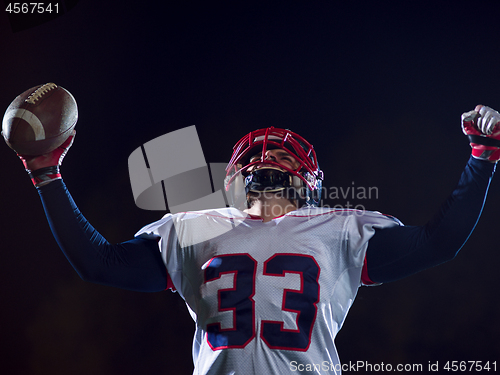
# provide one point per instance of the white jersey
(267, 298)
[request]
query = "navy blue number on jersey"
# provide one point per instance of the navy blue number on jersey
(239, 299)
(303, 302)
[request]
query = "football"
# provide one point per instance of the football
(39, 120)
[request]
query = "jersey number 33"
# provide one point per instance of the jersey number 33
(240, 300)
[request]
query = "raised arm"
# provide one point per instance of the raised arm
(134, 265)
(397, 252)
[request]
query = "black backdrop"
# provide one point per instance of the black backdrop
(377, 87)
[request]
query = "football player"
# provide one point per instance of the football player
(269, 281)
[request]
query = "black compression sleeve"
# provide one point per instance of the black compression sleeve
(396, 252)
(134, 265)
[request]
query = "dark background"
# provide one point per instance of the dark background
(377, 87)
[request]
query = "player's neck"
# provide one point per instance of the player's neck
(269, 208)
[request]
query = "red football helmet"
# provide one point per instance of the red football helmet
(242, 175)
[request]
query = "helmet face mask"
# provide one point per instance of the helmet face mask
(245, 173)
(268, 179)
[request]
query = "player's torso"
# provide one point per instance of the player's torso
(269, 287)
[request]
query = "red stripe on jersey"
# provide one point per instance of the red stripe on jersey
(365, 279)
(170, 284)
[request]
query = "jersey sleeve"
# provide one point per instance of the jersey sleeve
(164, 232)
(397, 252)
(361, 226)
(134, 265)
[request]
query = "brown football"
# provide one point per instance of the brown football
(40, 119)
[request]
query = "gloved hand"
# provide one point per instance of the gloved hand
(43, 169)
(482, 126)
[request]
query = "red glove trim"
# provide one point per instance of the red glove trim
(44, 175)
